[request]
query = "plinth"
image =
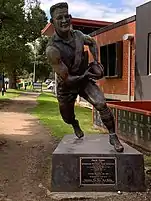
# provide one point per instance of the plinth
(92, 164)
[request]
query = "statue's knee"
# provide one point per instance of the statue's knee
(100, 105)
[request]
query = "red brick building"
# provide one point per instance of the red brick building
(117, 54)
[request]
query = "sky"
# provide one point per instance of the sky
(103, 10)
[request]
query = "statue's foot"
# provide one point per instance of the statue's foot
(77, 130)
(113, 139)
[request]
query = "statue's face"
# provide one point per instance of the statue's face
(61, 20)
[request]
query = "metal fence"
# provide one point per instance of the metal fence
(132, 125)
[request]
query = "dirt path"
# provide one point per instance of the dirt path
(25, 158)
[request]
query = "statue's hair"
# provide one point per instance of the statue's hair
(58, 5)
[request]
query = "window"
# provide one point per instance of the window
(149, 53)
(112, 59)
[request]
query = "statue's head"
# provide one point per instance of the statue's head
(60, 17)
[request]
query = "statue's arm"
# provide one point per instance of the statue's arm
(88, 40)
(60, 68)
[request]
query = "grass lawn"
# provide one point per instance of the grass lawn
(48, 113)
(11, 93)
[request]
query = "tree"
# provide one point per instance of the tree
(36, 20)
(25, 26)
(43, 68)
(10, 41)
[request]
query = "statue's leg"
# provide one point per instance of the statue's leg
(95, 96)
(66, 106)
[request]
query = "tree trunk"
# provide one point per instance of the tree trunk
(12, 80)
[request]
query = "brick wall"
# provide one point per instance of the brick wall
(118, 85)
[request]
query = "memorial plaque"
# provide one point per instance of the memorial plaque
(98, 171)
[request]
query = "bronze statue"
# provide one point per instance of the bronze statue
(65, 52)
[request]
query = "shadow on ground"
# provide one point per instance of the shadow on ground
(25, 166)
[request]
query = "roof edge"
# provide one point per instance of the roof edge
(89, 21)
(82, 21)
(114, 25)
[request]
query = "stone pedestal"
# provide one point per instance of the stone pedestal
(92, 164)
